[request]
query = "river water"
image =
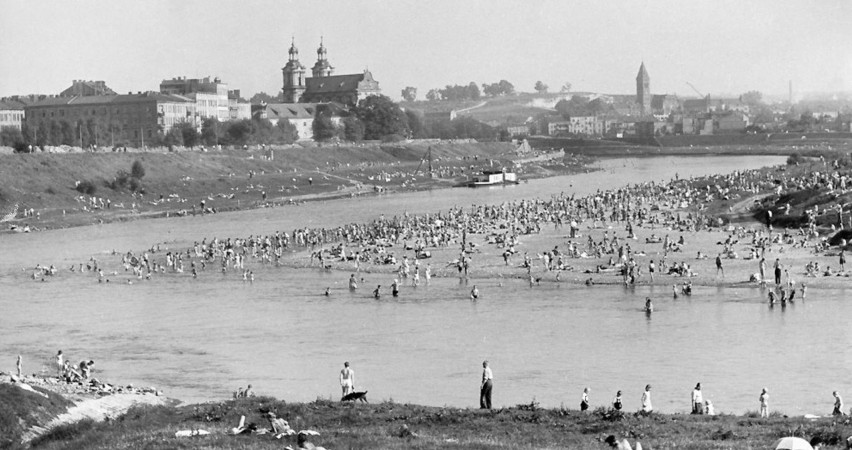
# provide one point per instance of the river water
(199, 340)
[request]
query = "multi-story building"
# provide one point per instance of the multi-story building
(84, 88)
(212, 97)
(107, 119)
(11, 114)
(324, 86)
(300, 115)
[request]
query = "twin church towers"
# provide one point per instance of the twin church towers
(323, 85)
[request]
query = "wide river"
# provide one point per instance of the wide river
(199, 340)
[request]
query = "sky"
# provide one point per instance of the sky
(721, 47)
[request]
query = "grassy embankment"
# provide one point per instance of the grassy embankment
(46, 182)
(21, 410)
(390, 425)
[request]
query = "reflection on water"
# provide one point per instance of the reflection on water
(201, 339)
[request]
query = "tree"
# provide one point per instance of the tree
(209, 131)
(263, 97)
(323, 127)
(415, 123)
(473, 91)
(189, 135)
(287, 132)
(353, 129)
(9, 136)
(238, 132)
(566, 88)
(752, 98)
(381, 117)
(409, 94)
(137, 170)
(433, 95)
(502, 87)
(540, 87)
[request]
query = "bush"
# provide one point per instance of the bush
(120, 180)
(87, 187)
(134, 184)
(795, 159)
(21, 147)
(137, 170)
(65, 432)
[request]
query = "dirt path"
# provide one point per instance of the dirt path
(97, 409)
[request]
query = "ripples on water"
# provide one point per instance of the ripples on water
(200, 339)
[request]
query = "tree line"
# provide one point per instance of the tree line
(379, 118)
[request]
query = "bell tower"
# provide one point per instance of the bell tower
(322, 68)
(643, 90)
(294, 76)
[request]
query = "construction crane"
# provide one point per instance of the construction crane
(426, 156)
(695, 89)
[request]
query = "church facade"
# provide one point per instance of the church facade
(323, 86)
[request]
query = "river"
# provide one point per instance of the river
(199, 340)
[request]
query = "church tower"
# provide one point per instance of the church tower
(294, 76)
(322, 68)
(643, 90)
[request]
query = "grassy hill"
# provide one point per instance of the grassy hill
(176, 182)
(390, 425)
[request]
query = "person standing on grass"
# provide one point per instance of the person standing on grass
(697, 400)
(647, 408)
(764, 403)
(486, 387)
(584, 400)
(838, 405)
(762, 270)
(842, 261)
(617, 404)
(347, 379)
(19, 365)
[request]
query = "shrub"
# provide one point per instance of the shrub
(85, 187)
(795, 159)
(137, 170)
(120, 180)
(65, 432)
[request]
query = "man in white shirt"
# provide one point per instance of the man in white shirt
(485, 387)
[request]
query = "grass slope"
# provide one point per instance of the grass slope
(389, 425)
(46, 182)
(21, 409)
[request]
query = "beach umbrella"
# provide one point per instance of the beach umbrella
(792, 443)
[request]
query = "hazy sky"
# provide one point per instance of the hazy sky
(718, 46)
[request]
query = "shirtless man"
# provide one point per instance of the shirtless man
(347, 379)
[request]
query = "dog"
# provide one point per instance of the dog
(355, 396)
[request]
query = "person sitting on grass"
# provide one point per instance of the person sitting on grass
(280, 427)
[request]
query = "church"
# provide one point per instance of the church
(323, 86)
(650, 104)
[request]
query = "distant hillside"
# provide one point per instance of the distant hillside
(498, 111)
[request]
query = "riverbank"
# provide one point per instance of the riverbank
(74, 189)
(33, 406)
(390, 425)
